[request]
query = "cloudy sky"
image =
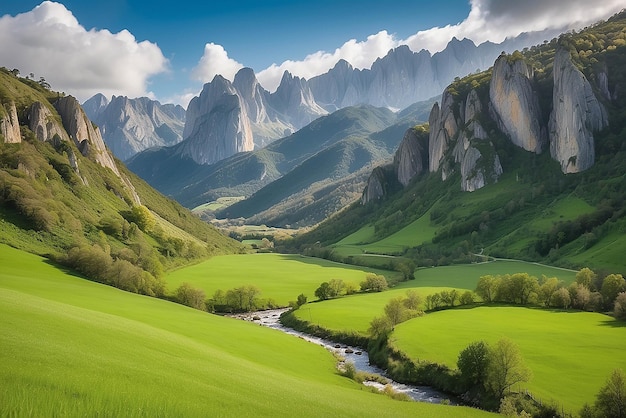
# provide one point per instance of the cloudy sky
(167, 49)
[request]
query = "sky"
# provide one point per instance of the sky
(167, 50)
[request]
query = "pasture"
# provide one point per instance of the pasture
(354, 313)
(278, 276)
(71, 347)
(571, 354)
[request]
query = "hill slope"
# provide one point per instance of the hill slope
(535, 193)
(62, 194)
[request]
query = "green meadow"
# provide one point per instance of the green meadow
(71, 347)
(354, 313)
(278, 276)
(571, 354)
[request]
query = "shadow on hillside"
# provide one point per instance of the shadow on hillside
(613, 323)
(64, 269)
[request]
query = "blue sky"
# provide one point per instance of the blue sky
(167, 50)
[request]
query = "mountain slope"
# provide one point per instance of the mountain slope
(549, 190)
(63, 194)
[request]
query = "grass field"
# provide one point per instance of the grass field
(280, 277)
(571, 354)
(357, 311)
(71, 347)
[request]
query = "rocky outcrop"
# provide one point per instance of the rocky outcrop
(516, 104)
(81, 130)
(411, 158)
(575, 116)
(10, 125)
(377, 185)
(43, 124)
(294, 100)
(443, 127)
(217, 124)
(129, 126)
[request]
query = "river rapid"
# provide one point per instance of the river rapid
(354, 355)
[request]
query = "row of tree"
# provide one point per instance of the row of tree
(586, 293)
(337, 287)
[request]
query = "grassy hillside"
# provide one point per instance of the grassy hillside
(72, 347)
(570, 353)
(57, 202)
(534, 212)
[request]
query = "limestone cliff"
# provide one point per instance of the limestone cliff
(43, 124)
(516, 104)
(411, 158)
(82, 131)
(378, 184)
(217, 124)
(293, 98)
(443, 127)
(575, 116)
(10, 125)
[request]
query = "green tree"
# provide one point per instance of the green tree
(473, 363)
(611, 400)
(467, 298)
(612, 285)
(396, 311)
(190, 296)
(547, 289)
(379, 326)
(142, 217)
(619, 309)
(323, 291)
(374, 283)
(301, 299)
(506, 368)
(586, 277)
(337, 287)
(561, 298)
(487, 287)
(413, 300)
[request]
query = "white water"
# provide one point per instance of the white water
(354, 355)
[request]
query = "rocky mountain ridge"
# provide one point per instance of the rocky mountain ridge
(507, 99)
(129, 126)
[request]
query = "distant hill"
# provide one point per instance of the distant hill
(525, 160)
(326, 161)
(63, 195)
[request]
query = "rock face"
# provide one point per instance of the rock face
(82, 131)
(443, 127)
(376, 185)
(217, 124)
(44, 124)
(575, 116)
(294, 100)
(10, 125)
(411, 158)
(129, 126)
(516, 104)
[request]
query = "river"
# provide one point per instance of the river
(354, 355)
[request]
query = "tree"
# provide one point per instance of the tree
(301, 299)
(487, 287)
(472, 363)
(611, 400)
(506, 368)
(337, 287)
(323, 292)
(611, 286)
(141, 215)
(561, 298)
(187, 295)
(586, 277)
(547, 289)
(396, 311)
(413, 299)
(467, 298)
(620, 306)
(374, 283)
(379, 326)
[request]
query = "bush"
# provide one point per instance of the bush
(620, 306)
(187, 295)
(374, 283)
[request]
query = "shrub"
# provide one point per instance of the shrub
(187, 295)
(374, 283)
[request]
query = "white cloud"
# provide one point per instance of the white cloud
(488, 20)
(215, 61)
(49, 42)
(495, 20)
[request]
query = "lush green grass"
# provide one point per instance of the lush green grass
(354, 313)
(71, 347)
(607, 253)
(414, 234)
(280, 277)
(570, 353)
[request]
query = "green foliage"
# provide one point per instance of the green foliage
(611, 400)
(374, 283)
(323, 292)
(505, 368)
(612, 285)
(473, 364)
(188, 295)
(619, 309)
